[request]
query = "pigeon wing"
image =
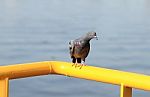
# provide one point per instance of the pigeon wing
(85, 51)
(71, 47)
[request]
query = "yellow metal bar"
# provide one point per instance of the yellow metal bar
(116, 77)
(4, 87)
(25, 70)
(125, 91)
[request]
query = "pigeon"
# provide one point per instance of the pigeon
(79, 48)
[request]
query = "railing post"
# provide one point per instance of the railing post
(4, 83)
(125, 91)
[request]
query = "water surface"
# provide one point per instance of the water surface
(39, 30)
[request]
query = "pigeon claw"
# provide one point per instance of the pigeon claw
(73, 64)
(81, 65)
(77, 65)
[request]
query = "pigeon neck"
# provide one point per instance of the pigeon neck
(87, 38)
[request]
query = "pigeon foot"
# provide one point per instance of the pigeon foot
(77, 65)
(80, 65)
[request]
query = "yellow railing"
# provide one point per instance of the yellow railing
(126, 80)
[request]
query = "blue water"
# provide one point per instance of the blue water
(39, 30)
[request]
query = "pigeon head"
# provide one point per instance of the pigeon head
(91, 35)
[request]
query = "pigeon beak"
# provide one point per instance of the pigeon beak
(96, 37)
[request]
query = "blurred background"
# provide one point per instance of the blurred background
(39, 30)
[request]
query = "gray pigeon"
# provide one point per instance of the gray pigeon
(79, 48)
